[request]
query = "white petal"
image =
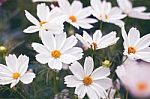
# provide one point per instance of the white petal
(64, 5)
(96, 5)
(97, 36)
(106, 83)
(77, 70)
(31, 29)
(23, 64)
(125, 37)
(31, 18)
(40, 48)
(42, 11)
(5, 71)
(140, 15)
(14, 83)
(88, 65)
(76, 6)
(60, 40)
(48, 40)
(84, 13)
(69, 43)
(67, 58)
(55, 64)
(125, 5)
(43, 58)
(107, 8)
(72, 81)
(92, 93)
(87, 37)
(119, 23)
(139, 9)
(85, 25)
(27, 78)
(80, 90)
(100, 72)
(6, 81)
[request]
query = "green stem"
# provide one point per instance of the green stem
(127, 94)
(101, 25)
(55, 82)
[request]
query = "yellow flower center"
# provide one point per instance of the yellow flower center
(106, 17)
(131, 50)
(94, 45)
(87, 80)
(43, 22)
(56, 53)
(15, 75)
(142, 86)
(106, 63)
(73, 18)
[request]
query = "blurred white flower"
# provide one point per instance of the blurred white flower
(104, 11)
(57, 50)
(98, 42)
(44, 0)
(51, 21)
(15, 71)
(133, 75)
(136, 47)
(94, 83)
(76, 14)
(134, 12)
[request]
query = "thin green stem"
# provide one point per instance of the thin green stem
(127, 93)
(55, 82)
(101, 25)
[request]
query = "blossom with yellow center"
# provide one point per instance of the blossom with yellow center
(15, 75)
(106, 63)
(131, 50)
(43, 22)
(56, 53)
(73, 18)
(89, 80)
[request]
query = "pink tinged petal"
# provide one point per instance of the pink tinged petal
(40, 48)
(6, 81)
(107, 8)
(48, 40)
(105, 83)
(97, 36)
(91, 93)
(12, 62)
(144, 55)
(5, 71)
(77, 70)
(139, 15)
(67, 58)
(140, 9)
(100, 73)
(27, 78)
(42, 11)
(143, 43)
(43, 58)
(60, 40)
(125, 37)
(87, 37)
(31, 29)
(69, 43)
(81, 91)
(119, 23)
(64, 5)
(125, 5)
(82, 40)
(85, 25)
(72, 81)
(133, 36)
(23, 64)
(31, 18)
(14, 83)
(96, 5)
(55, 64)
(76, 6)
(88, 65)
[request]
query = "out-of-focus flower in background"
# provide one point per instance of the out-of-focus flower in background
(134, 76)
(44, 0)
(98, 41)
(76, 14)
(57, 49)
(2, 1)
(104, 11)
(134, 12)
(15, 71)
(136, 47)
(93, 83)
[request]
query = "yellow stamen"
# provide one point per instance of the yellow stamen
(106, 17)
(56, 53)
(142, 86)
(73, 18)
(94, 45)
(131, 50)
(15, 75)
(43, 22)
(87, 80)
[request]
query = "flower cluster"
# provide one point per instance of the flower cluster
(59, 49)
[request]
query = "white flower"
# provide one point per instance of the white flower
(57, 50)
(104, 11)
(49, 20)
(94, 83)
(134, 12)
(76, 14)
(136, 47)
(134, 76)
(15, 71)
(98, 42)
(44, 0)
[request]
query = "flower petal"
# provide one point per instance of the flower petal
(80, 91)
(40, 48)
(67, 58)
(88, 65)
(55, 64)
(14, 83)
(31, 29)
(43, 58)
(27, 78)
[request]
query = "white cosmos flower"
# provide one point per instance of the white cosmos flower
(57, 50)
(94, 83)
(44, 0)
(48, 20)
(76, 14)
(15, 71)
(98, 41)
(104, 11)
(136, 47)
(134, 76)
(134, 12)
